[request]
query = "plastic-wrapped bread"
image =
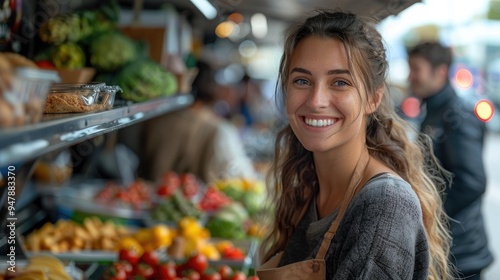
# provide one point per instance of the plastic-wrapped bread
(72, 100)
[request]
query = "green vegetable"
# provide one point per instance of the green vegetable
(60, 29)
(234, 191)
(219, 227)
(228, 222)
(253, 202)
(111, 50)
(110, 11)
(73, 27)
(68, 56)
(234, 211)
(175, 208)
(146, 79)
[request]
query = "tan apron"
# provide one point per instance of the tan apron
(313, 269)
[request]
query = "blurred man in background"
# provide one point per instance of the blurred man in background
(458, 137)
(195, 139)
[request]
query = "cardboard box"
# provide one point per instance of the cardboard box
(153, 36)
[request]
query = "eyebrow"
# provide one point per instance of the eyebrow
(330, 72)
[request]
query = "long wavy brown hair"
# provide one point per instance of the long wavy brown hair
(293, 179)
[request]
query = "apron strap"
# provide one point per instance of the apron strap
(356, 178)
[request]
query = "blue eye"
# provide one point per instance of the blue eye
(340, 83)
(301, 82)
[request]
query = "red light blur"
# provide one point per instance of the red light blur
(484, 110)
(411, 107)
(464, 78)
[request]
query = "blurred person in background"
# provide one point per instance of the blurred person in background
(353, 197)
(195, 139)
(458, 137)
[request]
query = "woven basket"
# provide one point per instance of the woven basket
(76, 76)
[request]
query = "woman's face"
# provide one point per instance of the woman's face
(322, 102)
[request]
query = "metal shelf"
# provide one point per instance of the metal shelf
(56, 131)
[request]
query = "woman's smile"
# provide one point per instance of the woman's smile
(319, 123)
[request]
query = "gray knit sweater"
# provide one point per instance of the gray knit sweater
(381, 236)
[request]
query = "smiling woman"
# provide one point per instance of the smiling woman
(322, 98)
(354, 198)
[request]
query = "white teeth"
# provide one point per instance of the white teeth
(319, 123)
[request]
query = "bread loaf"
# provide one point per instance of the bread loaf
(17, 60)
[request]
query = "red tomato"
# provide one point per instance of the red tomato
(233, 253)
(166, 271)
(198, 262)
(123, 196)
(213, 199)
(47, 64)
(255, 277)
(238, 275)
(193, 275)
(130, 256)
(114, 273)
(225, 271)
(188, 178)
(145, 270)
(166, 190)
(211, 276)
(150, 257)
(190, 189)
(137, 184)
(125, 266)
(171, 178)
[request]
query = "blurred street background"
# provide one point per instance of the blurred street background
(491, 205)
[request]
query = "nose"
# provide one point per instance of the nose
(317, 97)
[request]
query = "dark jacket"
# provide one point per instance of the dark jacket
(458, 137)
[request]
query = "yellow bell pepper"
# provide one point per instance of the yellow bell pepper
(129, 243)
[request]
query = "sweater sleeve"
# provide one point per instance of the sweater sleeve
(381, 235)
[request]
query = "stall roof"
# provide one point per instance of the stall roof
(289, 10)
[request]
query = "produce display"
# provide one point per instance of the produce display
(93, 235)
(250, 192)
(189, 222)
(229, 222)
(66, 39)
(213, 199)
(74, 27)
(240, 217)
(145, 79)
(68, 236)
(179, 242)
(90, 44)
(68, 56)
(111, 50)
(43, 267)
(174, 208)
(187, 183)
(150, 266)
(137, 194)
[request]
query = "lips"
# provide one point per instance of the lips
(319, 122)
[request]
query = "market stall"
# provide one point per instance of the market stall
(101, 78)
